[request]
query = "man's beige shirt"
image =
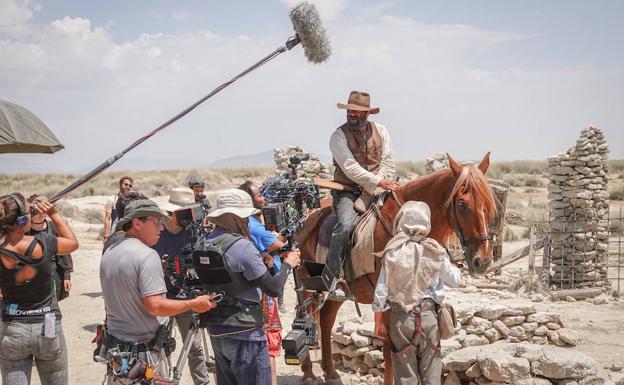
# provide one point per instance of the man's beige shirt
(352, 169)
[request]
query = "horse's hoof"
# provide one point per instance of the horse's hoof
(333, 381)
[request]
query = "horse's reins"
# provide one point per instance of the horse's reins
(381, 218)
(460, 233)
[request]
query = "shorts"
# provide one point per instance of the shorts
(274, 339)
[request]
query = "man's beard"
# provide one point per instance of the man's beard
(355, 124)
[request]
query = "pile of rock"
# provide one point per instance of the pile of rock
(308, 169)
(578, 203)
(436, 162)
(519, 364)
(514, 323)
(355, 348)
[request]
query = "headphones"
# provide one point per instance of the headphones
(22, 217)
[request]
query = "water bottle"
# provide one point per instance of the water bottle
(49, 325)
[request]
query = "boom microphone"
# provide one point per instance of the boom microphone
(309, 32)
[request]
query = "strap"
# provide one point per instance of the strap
(19, 258)
(31, 248)
(383, 220)
(226, 240)
(418, 331)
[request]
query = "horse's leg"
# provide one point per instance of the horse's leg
(308, 373)
(387, 353)
(328, 317)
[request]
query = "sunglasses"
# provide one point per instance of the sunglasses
(158, 222)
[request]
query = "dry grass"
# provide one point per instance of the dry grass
(150, 183)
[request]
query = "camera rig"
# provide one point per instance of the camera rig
(290, 199)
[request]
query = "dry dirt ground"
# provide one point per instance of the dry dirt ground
(601, 327)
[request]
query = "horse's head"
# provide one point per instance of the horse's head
(470, 207)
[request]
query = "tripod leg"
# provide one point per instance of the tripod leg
(210, 364)
(186, 348)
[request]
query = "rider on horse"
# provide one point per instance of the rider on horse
(364, 163)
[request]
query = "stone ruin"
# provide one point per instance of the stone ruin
(310, 168)
(355, 347)
(436, 162)
(519, 364)
(579, 207)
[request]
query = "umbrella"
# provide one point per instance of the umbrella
(21, 131)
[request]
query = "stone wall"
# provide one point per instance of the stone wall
(578, 204)
(436, 162)
(308, 169)
(355, 347)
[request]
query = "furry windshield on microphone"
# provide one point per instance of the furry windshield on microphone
(310, 31)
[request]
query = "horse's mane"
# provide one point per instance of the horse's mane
(472, 180)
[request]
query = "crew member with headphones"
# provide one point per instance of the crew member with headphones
(31, 319)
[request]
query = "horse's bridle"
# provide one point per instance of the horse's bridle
(460, 233)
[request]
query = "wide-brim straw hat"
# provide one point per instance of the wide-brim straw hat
(179, 197)
(234, 201)
(359, 101)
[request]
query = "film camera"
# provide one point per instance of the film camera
(290, 198)
(181, 269)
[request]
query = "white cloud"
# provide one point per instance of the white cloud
(99, 95)
(16, 12)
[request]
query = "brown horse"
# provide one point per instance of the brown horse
(461, 203)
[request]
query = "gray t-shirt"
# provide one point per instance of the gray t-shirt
(129, 271)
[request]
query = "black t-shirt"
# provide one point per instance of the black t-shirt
(171, 245)
(64, 263)
(31, 300)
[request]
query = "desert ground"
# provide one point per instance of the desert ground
(601, 326)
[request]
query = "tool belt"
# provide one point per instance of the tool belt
(123, 358)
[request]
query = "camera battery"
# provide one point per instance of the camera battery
(298, 357)
(294, 340)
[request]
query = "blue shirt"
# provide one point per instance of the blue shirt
(263, 238)
(171, 244)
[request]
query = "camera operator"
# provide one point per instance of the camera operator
(64, 265)
(267, 242)
(198, 185)
(31, 318)
(240, 344)
(133, 286)
(172, 240)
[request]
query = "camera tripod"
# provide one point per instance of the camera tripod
(193, 331)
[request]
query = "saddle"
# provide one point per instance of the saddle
(362, 260)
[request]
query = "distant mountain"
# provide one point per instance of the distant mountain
(14, 165)
(261, 159)
(17, 166)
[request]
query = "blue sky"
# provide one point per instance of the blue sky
(518, 78)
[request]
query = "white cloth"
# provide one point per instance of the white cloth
(110, 203)
(414, 263)
(352, 169)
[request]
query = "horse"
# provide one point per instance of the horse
(461, 203)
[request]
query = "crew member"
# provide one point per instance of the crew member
(267, 242)
(110, 214)
(236, 328)
(172, 240)
(120, 207)
(411, 283)
(362, 152)
(64, 265)
(31, 318)
(133, 288)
